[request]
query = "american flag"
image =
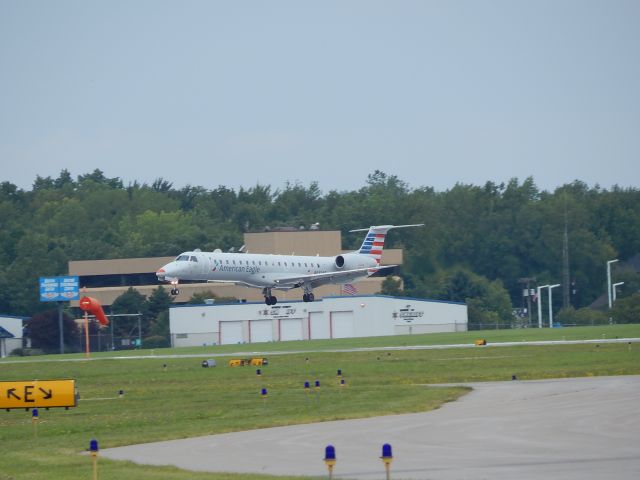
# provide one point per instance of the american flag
(349, 289)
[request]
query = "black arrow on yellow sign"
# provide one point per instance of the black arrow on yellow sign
(10, 393)
(47, 393)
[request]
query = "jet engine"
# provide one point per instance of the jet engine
(349, 262)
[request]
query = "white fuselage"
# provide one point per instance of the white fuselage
(260, 270)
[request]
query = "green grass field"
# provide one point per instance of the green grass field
(187, 400)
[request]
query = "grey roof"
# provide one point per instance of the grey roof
(5, 334)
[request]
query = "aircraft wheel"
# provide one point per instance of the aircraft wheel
(273, 299)
(311, 297)
(305, 297)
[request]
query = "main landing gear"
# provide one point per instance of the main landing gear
(307, 296)
(269, 299)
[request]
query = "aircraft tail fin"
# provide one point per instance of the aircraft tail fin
(373, 243)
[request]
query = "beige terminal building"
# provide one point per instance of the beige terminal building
(105, 280)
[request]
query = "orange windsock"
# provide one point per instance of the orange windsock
(92, 306)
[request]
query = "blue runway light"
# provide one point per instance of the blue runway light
(329, 453)
(263, 392)
(93, 449)
(317, 384)
(306, 385)
(386, 451)
(330, 459)
(387, 458)
(339, 374)
(34, 413)
(258, 372)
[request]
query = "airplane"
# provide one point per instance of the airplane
(280, 272)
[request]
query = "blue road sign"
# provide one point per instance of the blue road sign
(59, 289)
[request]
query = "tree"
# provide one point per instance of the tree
(130, 302)
(159, 301)
(158, 335)
(627, 310)
(159, 233)
(488, 302)
(44, 331)
(200, 298)
(392, 286)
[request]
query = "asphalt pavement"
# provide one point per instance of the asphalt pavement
(579, 428)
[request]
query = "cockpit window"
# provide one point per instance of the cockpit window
(182, 258)
(194, 259)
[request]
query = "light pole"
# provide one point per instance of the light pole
(551, 287)
(540, 305)
(609, 262)
(614, 291)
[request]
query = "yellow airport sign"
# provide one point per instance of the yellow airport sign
(38, 393)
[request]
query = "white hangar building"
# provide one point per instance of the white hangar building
(10, 334)
(331, 317)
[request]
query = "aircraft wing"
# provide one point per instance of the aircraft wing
(237, 282)
(316, 279)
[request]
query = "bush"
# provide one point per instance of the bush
(25, 352)
(156, 341)
(582, 316)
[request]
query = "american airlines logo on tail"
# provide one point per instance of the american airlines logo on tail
(373, 245)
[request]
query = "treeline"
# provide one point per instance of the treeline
(477, 243)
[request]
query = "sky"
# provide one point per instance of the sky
(239, 93)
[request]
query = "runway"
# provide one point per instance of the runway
(152, 356)
(579, 428)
